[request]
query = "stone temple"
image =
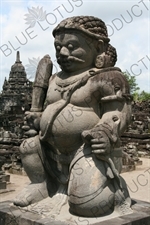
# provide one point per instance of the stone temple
(15, 97)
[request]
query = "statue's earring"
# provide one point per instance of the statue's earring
(100, 61)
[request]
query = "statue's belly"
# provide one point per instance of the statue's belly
(65, 131)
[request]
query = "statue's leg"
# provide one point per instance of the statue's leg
(33, 166)
(31, 161)
(94, 190)
(90, 192)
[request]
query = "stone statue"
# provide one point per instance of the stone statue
(73, 154)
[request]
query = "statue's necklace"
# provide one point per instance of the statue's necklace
(64, 84)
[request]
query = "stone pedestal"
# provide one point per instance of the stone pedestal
(12, 215)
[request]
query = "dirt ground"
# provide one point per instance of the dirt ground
(138, 182)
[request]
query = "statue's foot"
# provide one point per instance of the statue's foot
(123, 200)
(124, 207)
(31, 194)
(58, 201)
(50, 206)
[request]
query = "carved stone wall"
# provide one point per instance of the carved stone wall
(136, 140)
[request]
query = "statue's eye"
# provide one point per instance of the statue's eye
(70, 47)
(58, 47)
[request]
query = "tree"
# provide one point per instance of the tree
(144, 96)
(132, 82)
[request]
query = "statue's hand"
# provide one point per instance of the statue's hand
(31, 123)
(98, 140)
(100, 144)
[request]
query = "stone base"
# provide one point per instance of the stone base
(12, 215)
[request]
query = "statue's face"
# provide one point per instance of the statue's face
(74, 52)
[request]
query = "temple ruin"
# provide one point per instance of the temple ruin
(15, 99)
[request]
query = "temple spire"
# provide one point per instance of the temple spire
(18, 57)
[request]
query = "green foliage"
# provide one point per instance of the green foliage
(143, 96)
(137, 97)
(132, 82)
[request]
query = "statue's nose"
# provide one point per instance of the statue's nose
(64, 51)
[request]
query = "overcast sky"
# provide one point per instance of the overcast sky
(26, 26)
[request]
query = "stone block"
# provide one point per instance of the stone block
(5, 177)
(2, 185)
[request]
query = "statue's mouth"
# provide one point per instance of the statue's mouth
(63, 62)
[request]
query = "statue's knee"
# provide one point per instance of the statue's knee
(97, 205)
(29, 146)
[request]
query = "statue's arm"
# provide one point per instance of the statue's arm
(43, 74)
(116, 107)
(41, 82)
(117, 110)
(115, 116)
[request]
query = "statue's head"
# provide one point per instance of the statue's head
(82, 43)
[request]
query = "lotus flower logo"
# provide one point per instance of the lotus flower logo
(31, 67)
(35, 15)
